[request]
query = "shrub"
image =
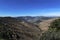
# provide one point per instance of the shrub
(53, 33)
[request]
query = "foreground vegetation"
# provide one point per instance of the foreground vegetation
(54, 31)
(13, 29)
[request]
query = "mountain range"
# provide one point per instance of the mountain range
(23, 28)
(34, 19)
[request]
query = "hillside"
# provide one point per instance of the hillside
(44, 25)
(20, 29)
(13, 29)
(53, 33)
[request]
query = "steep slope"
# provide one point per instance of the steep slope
(53, 33)
(13, 29)
(44, 25)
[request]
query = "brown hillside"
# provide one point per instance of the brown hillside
(44, 25)
(13, 29)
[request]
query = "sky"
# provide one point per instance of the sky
(29, 7)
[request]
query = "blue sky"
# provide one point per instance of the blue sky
(29, 7)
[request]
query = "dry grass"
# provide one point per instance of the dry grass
(44, 26)
(19, 30)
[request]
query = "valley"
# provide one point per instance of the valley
(21, 29)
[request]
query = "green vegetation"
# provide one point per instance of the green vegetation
(13, 29)
(53, 33)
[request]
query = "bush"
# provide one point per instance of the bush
(56, 24)
(53, 33)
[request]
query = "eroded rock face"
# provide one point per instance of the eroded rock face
(13, 29)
